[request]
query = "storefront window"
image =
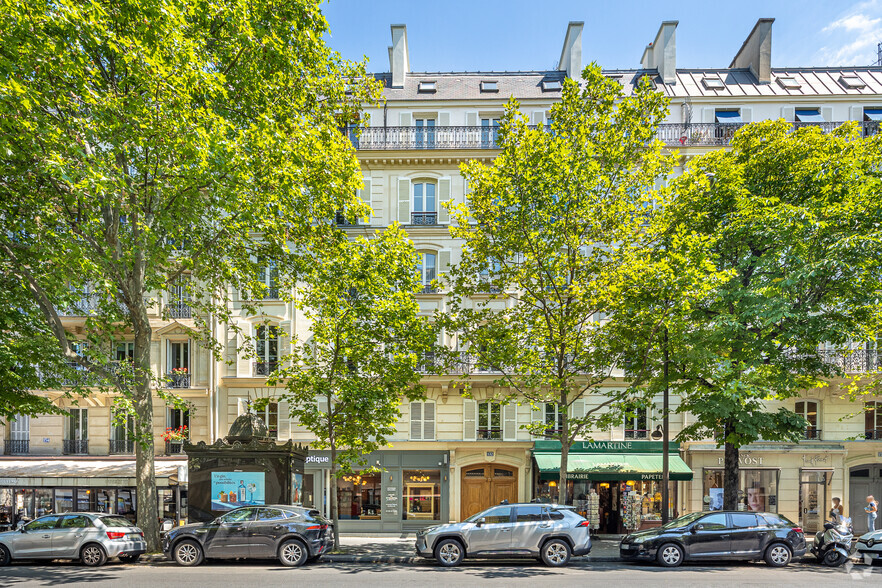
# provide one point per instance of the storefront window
(126, 503)
(43, 501)
(422, 495)
(167, 504)
(85, 500)
(6, 513)
(104, 501)
(304, 490)
(358, 496)
(64, 500)
(24, 505)
(757, 490)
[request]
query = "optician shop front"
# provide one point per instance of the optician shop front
(409, 491)
(616, 485)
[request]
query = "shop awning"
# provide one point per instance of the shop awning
(612, 466)
(41, 472)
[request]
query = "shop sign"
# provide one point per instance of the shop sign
(744, 460)
(606, 447)
(317, 459)
(8, 481)
(812, 460)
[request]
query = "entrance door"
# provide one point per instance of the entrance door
(814, 501)
(486, 485)
(864, 481)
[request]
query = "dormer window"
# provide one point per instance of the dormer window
(426, 87)
(551, 85)
(649, 77)
(489, 87)
(713, 83)
(789, 83)
(852, 81)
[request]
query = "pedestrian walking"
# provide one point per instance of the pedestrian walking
(837, 513)
(871, 510)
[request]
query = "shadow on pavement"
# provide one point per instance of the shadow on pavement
(58, 573)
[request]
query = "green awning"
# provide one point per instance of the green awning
(611, 466)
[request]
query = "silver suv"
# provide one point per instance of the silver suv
(87, 536)
(549, 532)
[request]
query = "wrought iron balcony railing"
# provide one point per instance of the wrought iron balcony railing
(179, 309)
(490, 433)
(478, 137)
(177, 380)
(16, 446)
(424, 218)
(636, 433)
(122, 446)
(75, 446)
(88, 304)
(265, 368)
(873, 434)
(174, 447)
(812, 434)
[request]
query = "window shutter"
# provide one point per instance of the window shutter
(443, 119)
(708, 115)
(416, 421)
(404, 201)
(827, 113)
(405, 119)
(443, 197)
(322, 405)
(471, 119)
(365, 195)
(578, 409)
(243, 365)
(284, 420)
(787, 113)
(241, 406)
(539, 118)
(429, 421)
(538, 414)
(856, 113)
(444, 261)
(747, 115)
(469, 419)
(510, 422)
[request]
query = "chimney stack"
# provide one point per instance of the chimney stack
(756, 52)
(399, 61)
(571, 54)
(661, 54)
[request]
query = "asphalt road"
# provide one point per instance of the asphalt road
(324, 575)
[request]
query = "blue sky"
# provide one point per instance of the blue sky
(475, 35)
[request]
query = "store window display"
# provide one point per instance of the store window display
(358, 496)
(422, 495)
(757, 490)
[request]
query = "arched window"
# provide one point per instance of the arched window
(808, 409)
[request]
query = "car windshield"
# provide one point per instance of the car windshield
(116, 521)
(684, 520)
(477, 516)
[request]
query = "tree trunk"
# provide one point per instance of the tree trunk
(145, 472)
(333, 499)
(730, 472)
(565, 441)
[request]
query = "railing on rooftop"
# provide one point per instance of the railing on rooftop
(477, 137)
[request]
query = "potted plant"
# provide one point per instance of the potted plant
(174, 438)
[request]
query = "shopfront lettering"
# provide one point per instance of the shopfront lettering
(744, 460)
(608, 445)
(8, 481)
(317, 459)
(812, 460)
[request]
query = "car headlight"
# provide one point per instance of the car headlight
(638, 540)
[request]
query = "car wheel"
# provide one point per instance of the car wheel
(188, 553)
(293, 553)
(449, 553)
(670, 555)
(93, 555)
(130, 558)
(556, 553)
(4, 555)
(778, 555)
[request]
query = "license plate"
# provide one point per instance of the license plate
(134, 536)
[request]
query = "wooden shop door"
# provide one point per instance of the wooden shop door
(486, 485)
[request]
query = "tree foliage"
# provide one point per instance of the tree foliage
(157, 149)
(365, 349)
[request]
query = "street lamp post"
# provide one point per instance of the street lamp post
(666, 472)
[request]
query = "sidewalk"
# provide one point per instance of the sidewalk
(400, 549)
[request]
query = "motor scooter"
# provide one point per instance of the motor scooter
(835, 544)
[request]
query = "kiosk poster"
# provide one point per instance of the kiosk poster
(231, 490)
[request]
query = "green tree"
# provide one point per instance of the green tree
(165, 146)
(793, 219)
(365, 351)
(545, 231)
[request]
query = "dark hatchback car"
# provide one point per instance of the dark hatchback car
(292, 534)
(718, 535)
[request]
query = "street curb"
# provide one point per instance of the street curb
(343, 558)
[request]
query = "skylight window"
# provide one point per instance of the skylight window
(426, 87)
(488, 86)
(551, 85)
(713, 83)
(789, 82)
(852, 81)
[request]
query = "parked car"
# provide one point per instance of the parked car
(718, 535)
(549, 532)
(90, 537)
(292, 534)
(869, 545)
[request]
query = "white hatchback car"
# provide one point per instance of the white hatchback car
(869, 545)
(90, 537)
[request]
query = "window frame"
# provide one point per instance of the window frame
(488, 432)
(423, 268)
(82, 424)
(812, 431)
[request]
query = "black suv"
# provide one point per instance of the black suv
(292, 534)
(718, 535)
